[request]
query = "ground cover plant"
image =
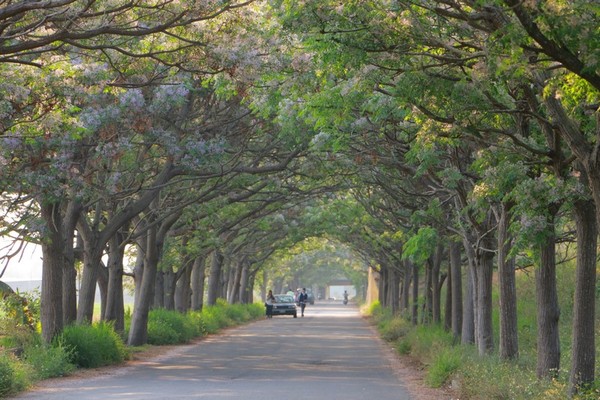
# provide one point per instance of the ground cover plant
(471, 376)
(25, 358)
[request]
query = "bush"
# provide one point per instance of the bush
(394, 329)
(215, 318)
(13, 375)
(6, 375)
(237, 313)
(170, 327)
(48, 361)
(92, 346)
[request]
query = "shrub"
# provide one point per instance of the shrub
(6, 375)
(215, 318)
(161, 333)
(394, 328)
(13, 375)
(170, 327)
(237, 313)
(93, 345)
(48, 361)
(373, 310)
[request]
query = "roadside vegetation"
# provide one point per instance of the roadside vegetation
(468, 375)
(26, 359)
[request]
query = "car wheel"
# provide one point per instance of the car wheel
(295, 315)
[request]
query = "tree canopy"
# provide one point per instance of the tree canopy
(234, 141)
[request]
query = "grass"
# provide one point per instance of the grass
(488, 377)
(26, 359)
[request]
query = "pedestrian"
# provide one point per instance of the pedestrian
(302, 298)
(269, 304)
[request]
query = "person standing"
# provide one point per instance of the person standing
(302, 298)
(269, 304)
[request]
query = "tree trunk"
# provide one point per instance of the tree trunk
(52, 273)
(159, 290)
(198, 275)
(456, 284)
(509, 343)
(214, 277)
(169, 282)
(69, 296)
(138, 332)
(484, 333)
(383, 285)
(394, 291)
(448, 301)
(427, 316)
(89, 281)
(436, 287)
(405, 296)
(584, 345)
(183, 289)
(138, 270)
(245, 290)
(234, 286)
(115, 308)
(548, 313)
(468, 326)
(415, 294)
(69, 285)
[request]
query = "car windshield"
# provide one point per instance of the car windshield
(284, 299)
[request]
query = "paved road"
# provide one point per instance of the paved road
(329, 354)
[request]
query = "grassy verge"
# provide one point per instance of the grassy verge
(475, 377)
(25, 359)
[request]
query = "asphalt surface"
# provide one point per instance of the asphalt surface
(331, 353)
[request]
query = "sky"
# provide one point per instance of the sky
(26, 268)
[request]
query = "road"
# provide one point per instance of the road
(329, 354)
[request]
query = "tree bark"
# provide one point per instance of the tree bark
(214, 277)
(548, 313)
(383, 285)
(234, 286)
(52, 272)
(115, 307)
(456, 284)
(169, 283)
(394, 291)
(484, 328)
(584, 345)
(509, 337)
(427, 316)
(405, 295)
(436, 287)
(183, 289)
(159, 290)
(448, 301)
(468, 326)
(415, 294)
(138, 332)
(88, 283)
(245, 289)
(198, 276)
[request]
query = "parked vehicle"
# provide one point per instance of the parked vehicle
(311, 296)
(284, 304)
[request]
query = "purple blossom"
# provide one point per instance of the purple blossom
(133, 99)
(11, 142)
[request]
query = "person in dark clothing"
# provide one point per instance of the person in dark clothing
(269, 304)
(302, 298)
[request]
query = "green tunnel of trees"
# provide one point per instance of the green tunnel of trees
(437, 140)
